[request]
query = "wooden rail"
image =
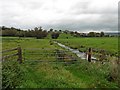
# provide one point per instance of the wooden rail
(19, 54)
(9, 50)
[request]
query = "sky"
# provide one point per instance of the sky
(74, 15)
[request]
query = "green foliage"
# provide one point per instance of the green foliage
(38, 32)
(91, 34)
(55, 35)
(65, 36)
(102, 34)
(94, 34)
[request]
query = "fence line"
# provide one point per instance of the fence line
(13, 49)
(19, 54)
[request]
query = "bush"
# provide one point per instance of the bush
(55, 35)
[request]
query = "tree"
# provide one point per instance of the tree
(45, 33)
(60, 31)
(66, 31)
(38, 32)
(55, 35)
(91, 34)
(72, 33)
(36, 28)
(51, 30)
(102, 34)
(40, 28)
(3, 28)
(97, 34)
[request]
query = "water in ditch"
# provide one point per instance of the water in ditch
(82, 55)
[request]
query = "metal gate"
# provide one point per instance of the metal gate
(48, 55)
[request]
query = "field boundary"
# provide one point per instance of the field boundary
(43, 54)
(19, 54)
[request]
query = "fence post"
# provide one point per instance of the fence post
(19, 54)
(89, 54)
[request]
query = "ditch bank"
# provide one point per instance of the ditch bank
(95, 57)
(79, 54)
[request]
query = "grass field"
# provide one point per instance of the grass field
(56, 75)
(110, 44)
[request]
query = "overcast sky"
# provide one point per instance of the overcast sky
(76, 15)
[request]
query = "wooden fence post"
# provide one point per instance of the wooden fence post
(19, 54)
(89, 54)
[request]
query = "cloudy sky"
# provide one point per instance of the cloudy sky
(76, 15)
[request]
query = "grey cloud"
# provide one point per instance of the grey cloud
(80, 26)
(94, 11)
(32, 5)
(80, 16)
(85, 8)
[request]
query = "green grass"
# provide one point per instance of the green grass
(110, 44)
(65, 36)
(93, 74)
(12, 42)
(52, 75)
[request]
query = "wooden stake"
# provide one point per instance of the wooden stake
(89, 54)
(19, 54)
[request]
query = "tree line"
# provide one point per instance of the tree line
(90, 34)
(40, 33)
(37, 32)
